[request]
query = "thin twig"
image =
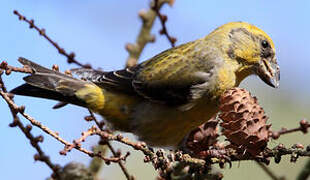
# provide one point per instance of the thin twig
(55, 135)
(163, 19)
(144, 37)
(78, 142)
(96, 164)
(2, 86)
(303, 127)
(40, 156)
(70, 57)
(268, 171)
(8, 69)
(122, 166)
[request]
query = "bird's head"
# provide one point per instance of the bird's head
(253, 49)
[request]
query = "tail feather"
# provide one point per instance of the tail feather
(49, 84)
(38, 68)
(65, 85)
(33, 66)
(33, 91)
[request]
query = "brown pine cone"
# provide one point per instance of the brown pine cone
(244, 121)
(202, 137)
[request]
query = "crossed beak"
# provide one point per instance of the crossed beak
(269, 72)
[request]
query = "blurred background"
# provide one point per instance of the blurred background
(97, 32)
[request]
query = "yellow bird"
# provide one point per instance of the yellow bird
(165, 97)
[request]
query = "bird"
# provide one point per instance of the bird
(165, 97)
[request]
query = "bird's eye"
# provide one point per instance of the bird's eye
(265, 44)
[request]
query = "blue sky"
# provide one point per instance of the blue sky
(97, 32)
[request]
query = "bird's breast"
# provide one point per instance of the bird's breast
(226, 79)
(164, 126)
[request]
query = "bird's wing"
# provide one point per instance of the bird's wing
(120, 80)
(174, 77)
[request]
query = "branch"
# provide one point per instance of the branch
(8, 69)
(68, 146)
(148, 17)
(70, 57)
(96, 163)
(269, 172)
(34, 141)
(303, 127)
(115, 154)
(163, 19)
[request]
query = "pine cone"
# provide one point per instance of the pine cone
(244, 121)
(202, 137)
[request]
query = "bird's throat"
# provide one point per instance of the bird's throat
(242, 72)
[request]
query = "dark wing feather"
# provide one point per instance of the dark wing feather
(125, 81)
(171, 95)
(168, 77)
(120, 80)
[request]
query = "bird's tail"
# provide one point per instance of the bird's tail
(49, 84)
